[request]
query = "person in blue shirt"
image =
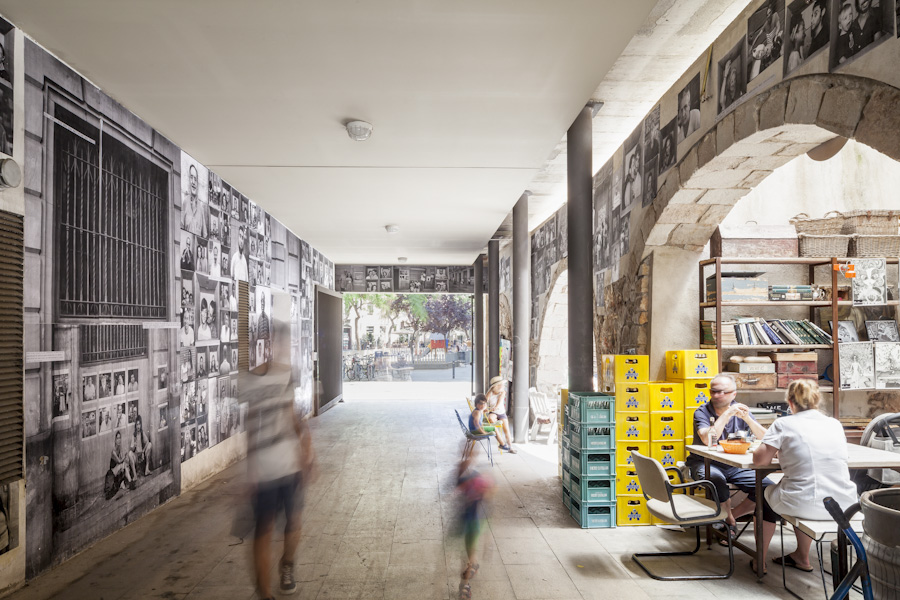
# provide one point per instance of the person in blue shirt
(730, 417)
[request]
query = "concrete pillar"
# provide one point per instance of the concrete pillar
(493, 308)
(581, 289)
(478, 326)
(521, 272)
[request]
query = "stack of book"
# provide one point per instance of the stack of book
(791, 292)
(755, 331)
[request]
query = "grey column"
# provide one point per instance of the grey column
(521, 271)
(493, 308)
(478, 326)
(581, 289)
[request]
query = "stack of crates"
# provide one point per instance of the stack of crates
(628, 377)
(588, 459)
(693, 369)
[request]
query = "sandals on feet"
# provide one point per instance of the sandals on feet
(465, 591)
(470, 571)
(753, 567)
(732, 533)
(789, 561)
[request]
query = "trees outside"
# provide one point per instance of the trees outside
(447, 313)
(354, 303)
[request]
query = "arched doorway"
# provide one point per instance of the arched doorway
(553, 346)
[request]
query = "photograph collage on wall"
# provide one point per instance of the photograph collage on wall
(633, 181)
(807, 32)
(732, 84)
(687, 119)
(765, 37)
(212, 249)
(549, 245)
(857, 26)
(651, 155)
(405, 279)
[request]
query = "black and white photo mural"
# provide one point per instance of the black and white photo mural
(405, 279)
(6, 87)
(549, 245)
(806, 32)
(732, 83)
(857, 26)
(765, 37)
(144, 247)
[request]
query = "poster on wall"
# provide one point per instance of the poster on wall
(633, 183)
(887, 365)
(869, 286)
(857, 27)
(765, 37)
(687, 119)
(651, 155)
(806, 32)
(732, 84)
(857, 366)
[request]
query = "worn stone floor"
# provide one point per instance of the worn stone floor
(380, 521)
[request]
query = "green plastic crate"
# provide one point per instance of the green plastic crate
(593, 515)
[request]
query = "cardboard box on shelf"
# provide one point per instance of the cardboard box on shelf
(739, 287)
(742, 367)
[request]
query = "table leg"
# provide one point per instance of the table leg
(709, 529)
(757, 527)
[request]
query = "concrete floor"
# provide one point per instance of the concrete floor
(380, 521)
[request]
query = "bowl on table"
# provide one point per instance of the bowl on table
(734, 446)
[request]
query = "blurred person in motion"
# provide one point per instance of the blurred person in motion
(475, 488)
(280, 455)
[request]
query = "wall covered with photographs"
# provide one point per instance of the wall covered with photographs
(405, 279)
(134, 250)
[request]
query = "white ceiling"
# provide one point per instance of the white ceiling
(468, 99)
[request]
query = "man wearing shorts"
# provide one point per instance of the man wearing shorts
(280, 454)
(496, 398)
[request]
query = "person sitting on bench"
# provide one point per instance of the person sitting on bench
(476, 420)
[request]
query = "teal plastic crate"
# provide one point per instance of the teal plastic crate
(591, 437)
(590, 463)
(591, 407)
(593, 489)
(567, 498)
(593, 515)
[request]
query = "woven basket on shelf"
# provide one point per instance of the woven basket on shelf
(872, 222)
(874, 246)
(823, 246)
(827, 225)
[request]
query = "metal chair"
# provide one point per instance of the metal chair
(472, 437)
(678, 509)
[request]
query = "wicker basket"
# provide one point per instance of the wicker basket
(827, 225)
(874, 246)
(823, 246)
(871, 222)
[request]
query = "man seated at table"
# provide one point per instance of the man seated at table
(730, 416)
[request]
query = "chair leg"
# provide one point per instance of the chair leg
(783, 569)
(635, 557)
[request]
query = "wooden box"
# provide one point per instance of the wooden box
(749, 367)
(797, 366)
(755, 381)
(754, 240)
(739, 287)
(785, 379)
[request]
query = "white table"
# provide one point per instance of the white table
(860, 457)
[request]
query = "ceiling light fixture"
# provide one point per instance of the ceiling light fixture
(359, 130)
(401, 259)
(392, 228)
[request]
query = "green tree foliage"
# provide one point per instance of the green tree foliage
(447, 312)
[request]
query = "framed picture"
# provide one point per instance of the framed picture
(857, 366)
(887, 365)
(846, 331)
(870, 283)
(882, 331)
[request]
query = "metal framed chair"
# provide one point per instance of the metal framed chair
(472, 438)
(678, 509)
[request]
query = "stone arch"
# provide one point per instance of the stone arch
(557, 269)
(752, 140)
(553, 344)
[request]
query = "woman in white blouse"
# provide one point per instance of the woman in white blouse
(812, 452)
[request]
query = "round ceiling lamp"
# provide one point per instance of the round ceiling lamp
(359, 130)
(392, 228)
(401, 259)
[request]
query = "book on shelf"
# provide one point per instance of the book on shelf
(756, 331)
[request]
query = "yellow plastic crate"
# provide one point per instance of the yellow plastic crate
(631, 511)
(696, 393)
(666, 426)
(691, 364)
(666, 396)
(633, 427)
(623, 452)
(624, 368)
(668, 453)
(632, 397)
(627, 483)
